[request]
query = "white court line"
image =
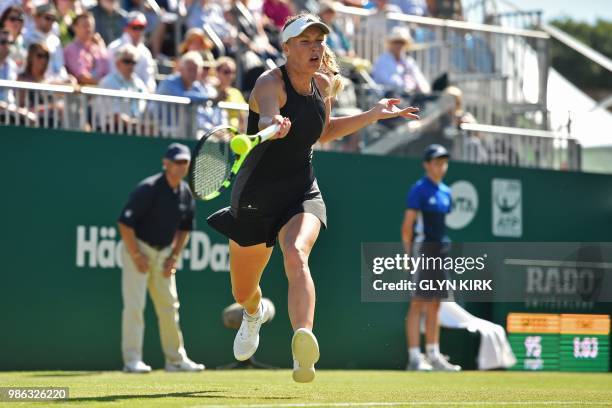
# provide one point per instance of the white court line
(395, 404)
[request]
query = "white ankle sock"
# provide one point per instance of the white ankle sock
(257, 314)
(414, 353)
(433, 350)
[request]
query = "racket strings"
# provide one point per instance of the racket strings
(213, 163)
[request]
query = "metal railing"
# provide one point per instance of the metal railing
(406, 138)
(35, 105)
(124, 112)
(459, 48)
(97, 109)
(110, 111)
(517, 18)
(500, 145)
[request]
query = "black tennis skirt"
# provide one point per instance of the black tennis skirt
(251, 224)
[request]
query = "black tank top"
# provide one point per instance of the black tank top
(282, 166)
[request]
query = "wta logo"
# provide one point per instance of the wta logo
(101, 247)
(465, 204)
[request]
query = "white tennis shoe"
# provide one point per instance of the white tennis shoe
(440, 363)
(419, 364)
(137, 367)
(185, 366)
(305, 349)
(247, 338)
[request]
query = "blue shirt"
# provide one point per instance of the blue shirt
(8, 71)
(432, 201)
(115, 80)
(173, 85)
(208, 115)
(155, 211)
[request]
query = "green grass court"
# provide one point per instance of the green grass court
(256, 388)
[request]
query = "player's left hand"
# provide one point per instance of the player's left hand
(387, 108)
(169, 267)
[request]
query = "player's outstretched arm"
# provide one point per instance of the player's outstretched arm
(337, 128)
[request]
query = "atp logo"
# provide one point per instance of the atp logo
(507, 208)
(504, 206)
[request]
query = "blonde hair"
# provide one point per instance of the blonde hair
(224, 60)
(329, 64)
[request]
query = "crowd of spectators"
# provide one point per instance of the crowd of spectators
(194, 48)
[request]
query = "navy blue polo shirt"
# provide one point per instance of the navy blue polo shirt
(155, 211)
(433, 201)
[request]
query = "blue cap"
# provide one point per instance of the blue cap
(434, 151)
(177, 151)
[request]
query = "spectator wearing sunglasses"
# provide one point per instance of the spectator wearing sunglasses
(123, 78)
(8, 68)
(36, 64)
(12, 20)
(133, 34)
(35, 70)
(226, 74)
(45, 17)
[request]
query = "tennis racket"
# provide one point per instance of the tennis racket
(218, 156)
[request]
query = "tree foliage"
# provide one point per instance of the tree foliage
(577, 68)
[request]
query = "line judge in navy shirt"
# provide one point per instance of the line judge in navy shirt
(424, 233)
(155, 225)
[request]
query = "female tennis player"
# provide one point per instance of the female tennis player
(275, 193)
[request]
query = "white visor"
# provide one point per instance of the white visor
(298, 26)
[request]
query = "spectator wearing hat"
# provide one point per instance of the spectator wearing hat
(395, 70)
(154, 226)
(110, 19)
(86, 57)
(133, 34)
(197, 40)
(45, 16)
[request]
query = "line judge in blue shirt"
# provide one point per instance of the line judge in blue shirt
(424, 233)
(154, 226)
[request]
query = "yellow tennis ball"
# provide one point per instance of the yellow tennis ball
(240, 144)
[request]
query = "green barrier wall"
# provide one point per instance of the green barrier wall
(60, 301)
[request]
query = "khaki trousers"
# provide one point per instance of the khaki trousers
(165, 299)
